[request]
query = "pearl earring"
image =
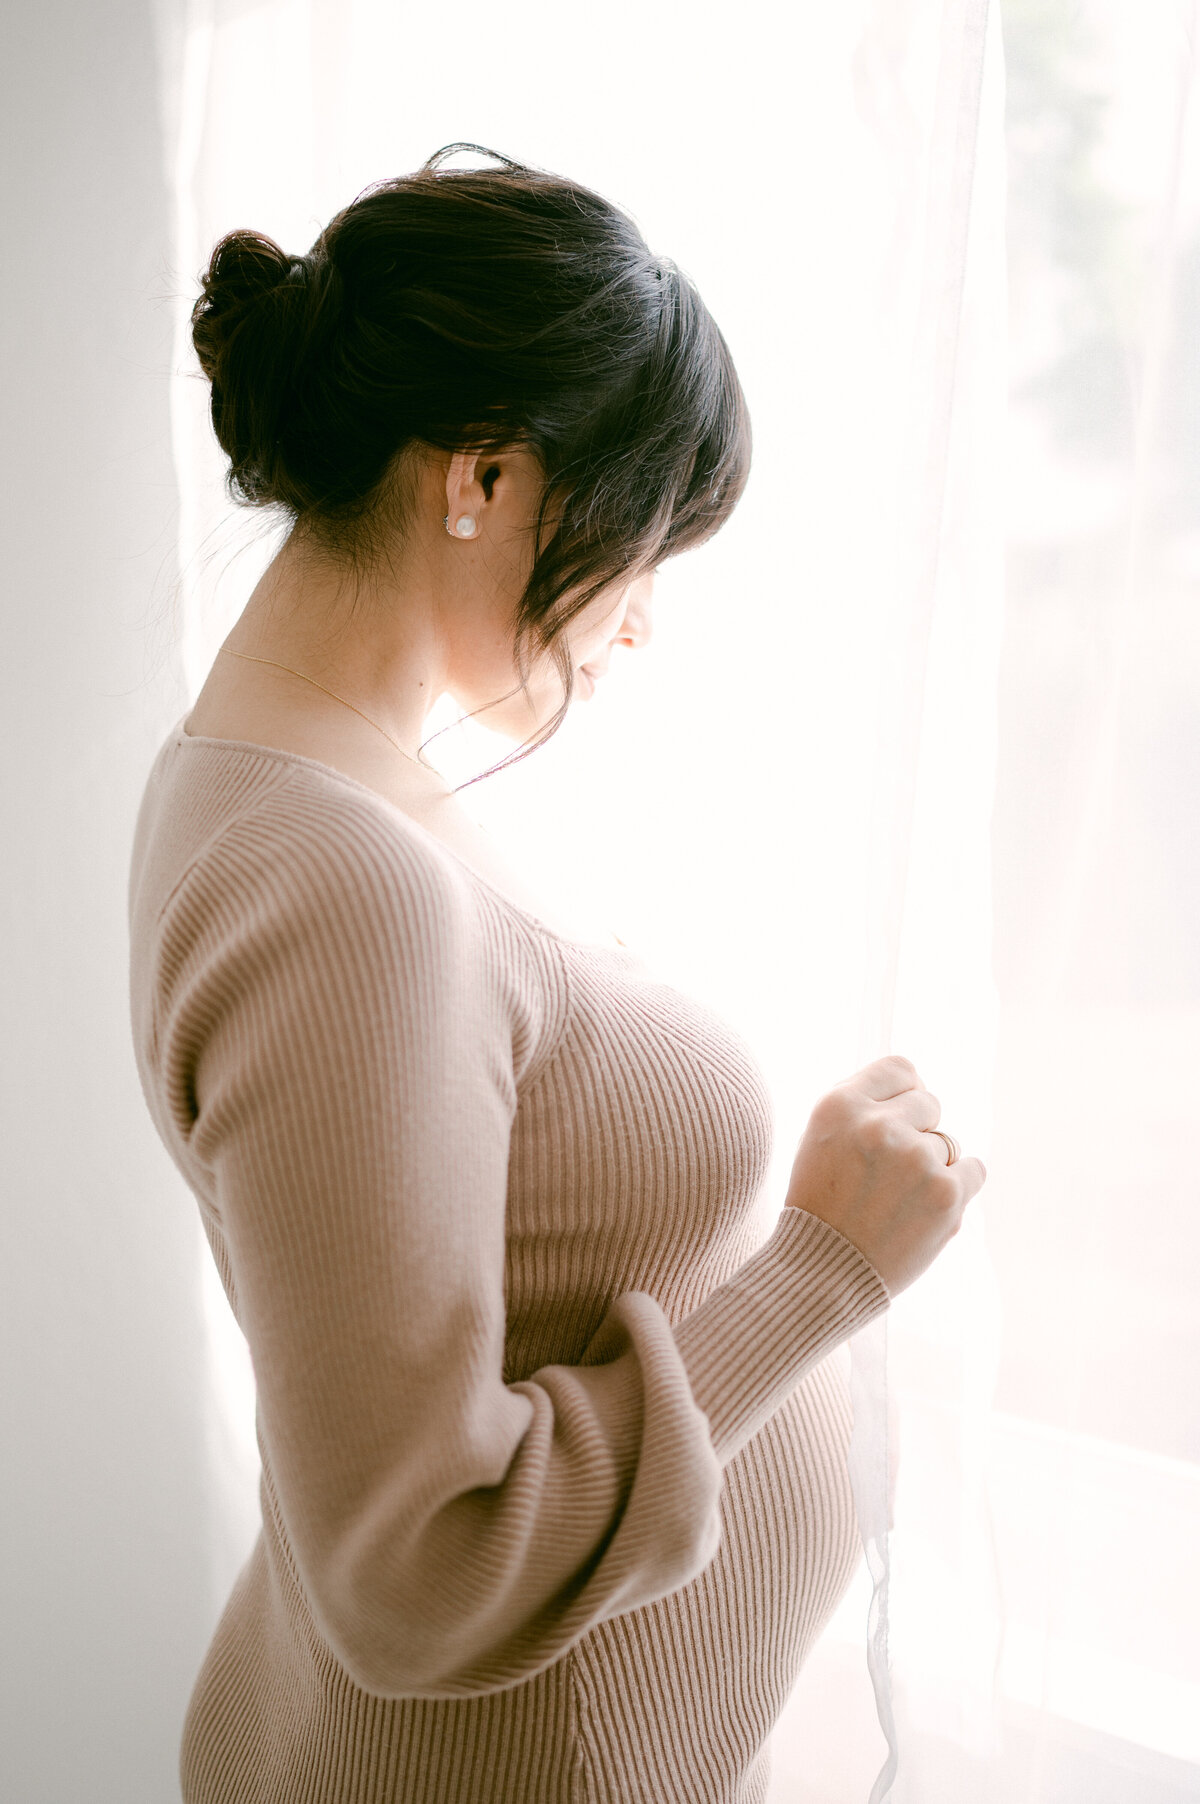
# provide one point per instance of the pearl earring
(464, 526)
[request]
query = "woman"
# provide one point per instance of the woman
(554, 1485)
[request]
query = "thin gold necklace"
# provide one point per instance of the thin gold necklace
(371, 723)
(337, 698)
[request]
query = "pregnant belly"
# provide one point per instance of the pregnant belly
(722, 1654)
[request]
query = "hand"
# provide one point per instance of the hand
(867, 1167)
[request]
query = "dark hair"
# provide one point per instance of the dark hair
(478, 308)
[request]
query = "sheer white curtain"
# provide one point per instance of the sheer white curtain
(904, 767)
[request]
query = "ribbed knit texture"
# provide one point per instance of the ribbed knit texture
(554, 1486)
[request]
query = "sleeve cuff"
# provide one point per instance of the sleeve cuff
(748, 1345)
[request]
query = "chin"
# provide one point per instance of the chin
(517, 721)
(520, 718)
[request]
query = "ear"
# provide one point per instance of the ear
(476, 481)
(464, 492)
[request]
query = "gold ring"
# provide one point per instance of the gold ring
(951, 1142)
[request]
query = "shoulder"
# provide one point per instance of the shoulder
(328, 846)
(327, 878)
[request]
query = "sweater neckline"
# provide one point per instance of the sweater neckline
(329, 771)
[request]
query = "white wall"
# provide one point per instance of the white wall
(108, 1597)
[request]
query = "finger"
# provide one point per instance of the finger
(884, 1078)
(972, 1175)
(920, 1108)
(940, 1145)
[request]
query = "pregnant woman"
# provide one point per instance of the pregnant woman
(554, 1488)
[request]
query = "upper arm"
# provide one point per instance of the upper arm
(354, 1090)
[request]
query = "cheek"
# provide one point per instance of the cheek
(602, 620)
(597, 636)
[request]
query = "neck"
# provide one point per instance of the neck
(367, 646)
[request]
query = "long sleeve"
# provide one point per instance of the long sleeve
(342, 1061)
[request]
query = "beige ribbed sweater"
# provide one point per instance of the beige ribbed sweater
(554, 1489)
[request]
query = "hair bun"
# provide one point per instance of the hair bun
(243, 266)
(251, 325)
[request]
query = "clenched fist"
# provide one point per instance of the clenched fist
(868, 1166)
